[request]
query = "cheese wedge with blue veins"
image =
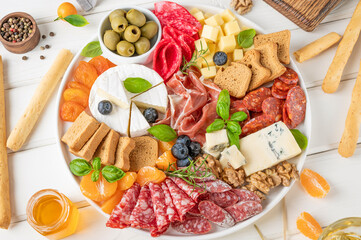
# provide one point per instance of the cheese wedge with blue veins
(232, 156)
(217, 141)
(268, 147)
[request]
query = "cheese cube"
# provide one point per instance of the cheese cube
(194, 11)
(215, 20)
(208, 60)
(199, 16)
(227, 44)
(201, 44)
(199, 63)
(208, 15)
(237, 54)
(268, 147)
(215, 154)
(209, 72)
(211, 48)
(210, 33)
(220, 34)
(218, 140)
(231, 28)
(232, 156)
(227, 15)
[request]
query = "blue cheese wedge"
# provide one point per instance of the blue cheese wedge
(267, 147)
(232, 156)
(216, 142)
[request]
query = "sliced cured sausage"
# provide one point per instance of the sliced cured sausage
(216, 186)
(191, 191)
(286, 119)
(215, 214)
(273, 108)
(171, 210)
(296, 105)
(194, 211)
(224, 199)
(192, 224)
(175, 35)
(277, 93)
(256, 124)
(253, 100)
(282, 85)
(120, 215)
(244, 210)
(289, 77)
(159, 206)
(245, 195)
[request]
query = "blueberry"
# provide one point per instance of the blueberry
(150, 115)
(105, 107)
(194, 149)
(220, 58)
(184, 162)
(180, 150)
(184, 139)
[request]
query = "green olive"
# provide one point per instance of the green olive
(135, 17)
(119, 24)
(132, 33)
(111, 39)
(125, 48)
(142, 45)
(149, 30)
(117, 12)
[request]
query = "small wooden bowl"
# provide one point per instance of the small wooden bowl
(24, 46)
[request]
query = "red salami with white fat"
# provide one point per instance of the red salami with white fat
(296, 105)
(192, 191)
(289, 77)
(256, 124)
(244, 210)
(119, 218)
(282, 85)
(192, 224)
(159, 206)
(253, 100)
(171, 210)
(215, 214)
(216, 186)
(273, 108)
(245, 195)
(194, 211)
(277, 93)
(224, 199)
(181, 201)
(286, 119)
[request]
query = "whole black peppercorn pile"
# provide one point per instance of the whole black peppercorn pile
(16, 29)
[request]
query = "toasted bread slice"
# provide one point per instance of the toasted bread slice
(270, 60)
(125, 146)
(260, 74)
(235, 79)
(106, 149)
(144, 154)
(282, 38)
(88, 150)
(79, 133)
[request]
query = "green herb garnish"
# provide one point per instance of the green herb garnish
(92, 49)
(136, 84)
(197, 54)
(112, 173)
(80, 167)
(245, 38)
(163, 132)
(75, 20)
(301, 139)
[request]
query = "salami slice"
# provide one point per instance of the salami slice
(254, 115)
(215, 214)
(289, 77)
(296, 105)
(175, 35)
(282, 85)
(171, 210)
(245, 195)
(244, 210)
(224, 199)
(286, 119)
(181, 201)
(216, 186)
(253, 100)
(119, 218)
(191, 191)
(273, 108)
(256, 124)
(237, 106)
(159, 206)
(277, 93)
(194, 211)
(191, 224)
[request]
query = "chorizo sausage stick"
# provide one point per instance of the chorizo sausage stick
(5, 211)
(42, 94)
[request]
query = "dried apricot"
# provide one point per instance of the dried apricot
(127, 181)
(308, 226)
(111, 64)
(165, 146)
(76, 95)
(98, 191)
(167, 160)
(65, 9)
(314, 184)
(101, 64)
(77, 85)
(108, 205)
(70, 111)
(150, 174)
(86, 74)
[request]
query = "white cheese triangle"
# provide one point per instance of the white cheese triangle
(138, 123)
(156, 98)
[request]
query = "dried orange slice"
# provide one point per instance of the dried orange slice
(150, 174)
(165, 160)
(108, 205)
(165, 146)
(98, 191)
(314, 184)
(308, 226)
(127, 181)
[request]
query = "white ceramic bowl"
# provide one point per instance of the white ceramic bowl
(141, 59)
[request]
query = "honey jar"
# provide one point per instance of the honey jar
(52, 214)
(344, 229)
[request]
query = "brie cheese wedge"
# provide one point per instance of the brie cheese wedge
(138, 123)
(156, 97)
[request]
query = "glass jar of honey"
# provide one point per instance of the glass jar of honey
(52, 214)
(344, 229)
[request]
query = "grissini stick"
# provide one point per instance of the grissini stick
(5, 211)
(41, 96)
(353, 120)
(343, 53)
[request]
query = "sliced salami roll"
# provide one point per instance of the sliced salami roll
(224, 199)
(244, 210)
(215, 214)
(195, 225)
(119, 218)
(245, 195)
(216, 186)
(171, 210)
(159, 206)
(192, 191)
(181, 201)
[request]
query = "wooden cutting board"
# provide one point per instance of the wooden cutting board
(307, 14)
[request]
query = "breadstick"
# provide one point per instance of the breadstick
(5, 211)
(42, 94)
(353, 120)
(343, 53)
(316, 47)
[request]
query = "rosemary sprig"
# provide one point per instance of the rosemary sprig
(193, 61)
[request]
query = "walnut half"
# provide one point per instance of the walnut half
(242, 6)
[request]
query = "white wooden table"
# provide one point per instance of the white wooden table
(39, 164)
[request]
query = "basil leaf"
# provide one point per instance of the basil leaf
(223, 104)
(239, 116)
(97, 164)
(234, 127)
(301, 139)
(233, 138)
(92, 49)
(112, 173)
(218, 124)
(163, 132)
(95, 175)
(137, 85)
(76, 20)
(245, 38)
(80, 167)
